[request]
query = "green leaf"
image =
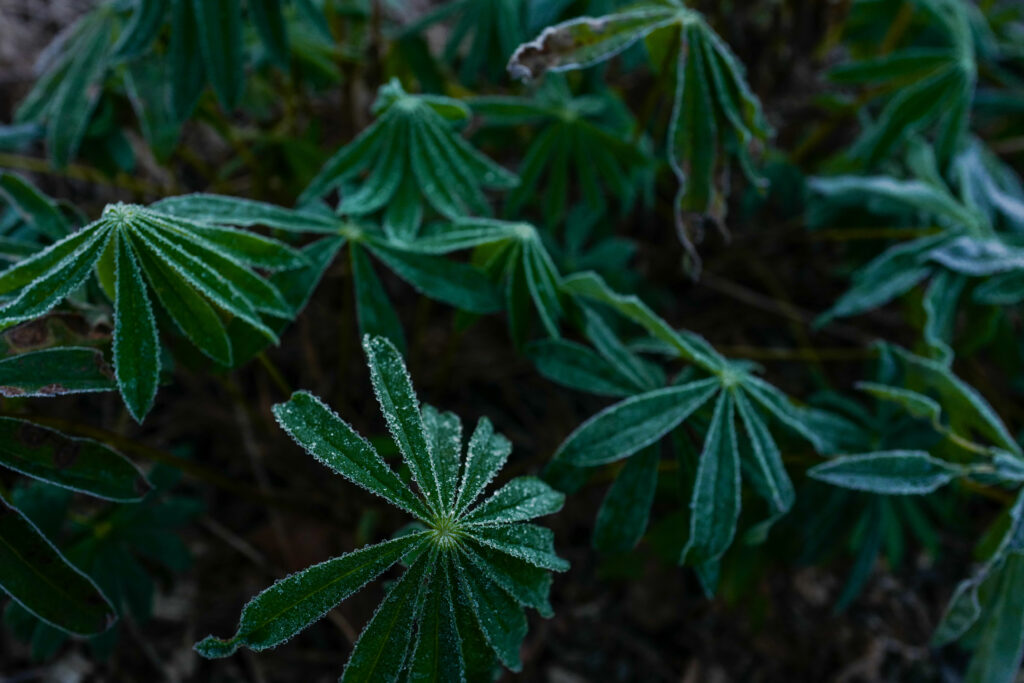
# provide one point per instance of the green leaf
(624, 428)
(576, 366)
(444, 433)
(333, 442)
(50, 287)
(527, 542)
(37, 266)
(591, 286)
(968, 412)
(55, 372)
(1000, 645)
(774, 483)
(643, 375)
(715, 505)
(136, 342)
(542, 281)
(295, 602)
(188, 309)
(187, 63)
(623, 516)
(692, 130)
(270, 23)
(521, 499)
(381, 650)
(911, 62)
(912, 194)
(916, 404)
(74, 101)
(221, 209)
(486, 454)
(581, 42)
(35, 208)
(377, 316)
(39, 578)
(225, 281)
(400, 407)
(457, 284)
(501, 619)
(210, 278)
(529, 585)
(977, 257)
(893, 273)
(76, 464)
(219, 24)
(887, 472)
(142, 30)
(436, 655)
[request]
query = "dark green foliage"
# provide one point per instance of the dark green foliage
(200, 273)
(477, 558)
(889, 205)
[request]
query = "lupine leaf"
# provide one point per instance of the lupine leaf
(574, 365)
(501, 619)
(520, 500)
(381, 650)
(220, 41)
(47, 290)
(73, 103)
(888, 472)
(435, 656)
(457, 284)
(376, 314)
(470, 573)
(487, 453)
(579, 43)
(623, 516)
(38, 577)
(333, 442)
(145, 24)
(76, 464)
(193, 315)
(293, 603)
(54, 372)
(35, 207)
(400, 407)
(444, 432)
(213, 208)
(528, 584)
(997, 655)
(624, 428)
(528, 542)
(136, 344)
(777, 488)
(715, 506)
(591, 285)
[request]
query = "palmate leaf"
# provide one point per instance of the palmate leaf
(199, 271)
(580, 138)
(966, 246)
(715, 114)
(206, 46)
(472, 569)
(737, 407)
(934, 87)
(409, 157)
(513, 252)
